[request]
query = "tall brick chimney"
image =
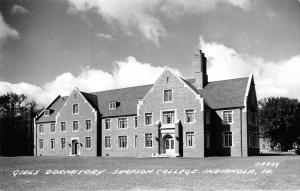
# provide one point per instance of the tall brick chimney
(201, 78)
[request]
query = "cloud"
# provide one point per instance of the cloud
(142, 15)
(108, 37)
(272, 78)
(6, 31)
(18, 9)
(128, 72)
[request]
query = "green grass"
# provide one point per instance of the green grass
(284, 177)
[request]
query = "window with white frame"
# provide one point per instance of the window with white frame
(75, 125)
(148, 118)
(107, 123)
(63, 143)
(135, 122)
(148, 140)
(112, 105)
(52, 144)
(41, 144)
(75, 108)
(63, 126)
(227, 117)
(52, 127)
(122, 141)
(190, 116)
(88, 142)
(107, 142)
(122, 123)
(88, 125)
(47, 112)
(227, 138)
(41, 128)
(168, 95)
(168, 117)
(190, 138)
(135, 141)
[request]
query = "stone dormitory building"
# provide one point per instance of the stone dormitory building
(174, 117)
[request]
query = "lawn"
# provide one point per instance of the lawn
(96, 173)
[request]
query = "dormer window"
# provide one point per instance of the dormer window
(47, 112)
(112, 105)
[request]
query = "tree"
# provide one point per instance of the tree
(16, 124)
(280, 120)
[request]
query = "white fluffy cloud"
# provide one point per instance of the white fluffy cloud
(129, 72)
(272, 78)
(141, 15)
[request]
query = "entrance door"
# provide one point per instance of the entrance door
(169, 144)
(75, 147)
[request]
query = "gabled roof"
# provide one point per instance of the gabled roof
(54, 107)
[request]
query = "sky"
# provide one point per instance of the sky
(48, 47)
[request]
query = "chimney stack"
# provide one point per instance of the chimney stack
(201, 78)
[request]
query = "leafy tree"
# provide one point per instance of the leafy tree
(16, 124)
(280, 120)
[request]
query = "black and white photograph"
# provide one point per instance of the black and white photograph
(149, 95)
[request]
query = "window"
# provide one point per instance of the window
(107, 123)
(148, 140)
(207, 117)
(135, 141)
(75, 96)
(227, 117)
(63, 143)
(112, 105)
(190, 139)
(88, 142)
(167, 79)
(107, 142)
(122, 123)
(122, 141)
(227, 139)
(254, 140)
(75, 109)
(47, 112)
(41, 128)
(148, 118)
(135, 122)
(41, 144)
(63, 126)
(190, 116)
(52, 127)
(253, 118)
(88, 124)
(52, 144)
(75, 125)
(207, 140)
(168, 95)
(168, 117)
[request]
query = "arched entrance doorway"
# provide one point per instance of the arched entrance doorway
(169, 144)
(75, 145)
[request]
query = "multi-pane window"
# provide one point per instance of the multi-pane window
(75, 108)
(168, 117)
(148, 140)
(227, 117)
(135, 141)
(75, 125)
(52, 127)
(63, 143)
(227, 139)
(135, 122)
(190, 116)
(112, 105)
(88, 142)
(107, 123)
(123, 123)
(168, 95)
(52, 144)
(63, 126)
(47, 112)
(148, 118)
(107, 142)
(122, 141)
(88, 124)
(190, 139)
(41, 144)
(41, 128)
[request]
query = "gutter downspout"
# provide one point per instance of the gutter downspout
(34, 128)
(241, 124)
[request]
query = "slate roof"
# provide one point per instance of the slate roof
(217, 95)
